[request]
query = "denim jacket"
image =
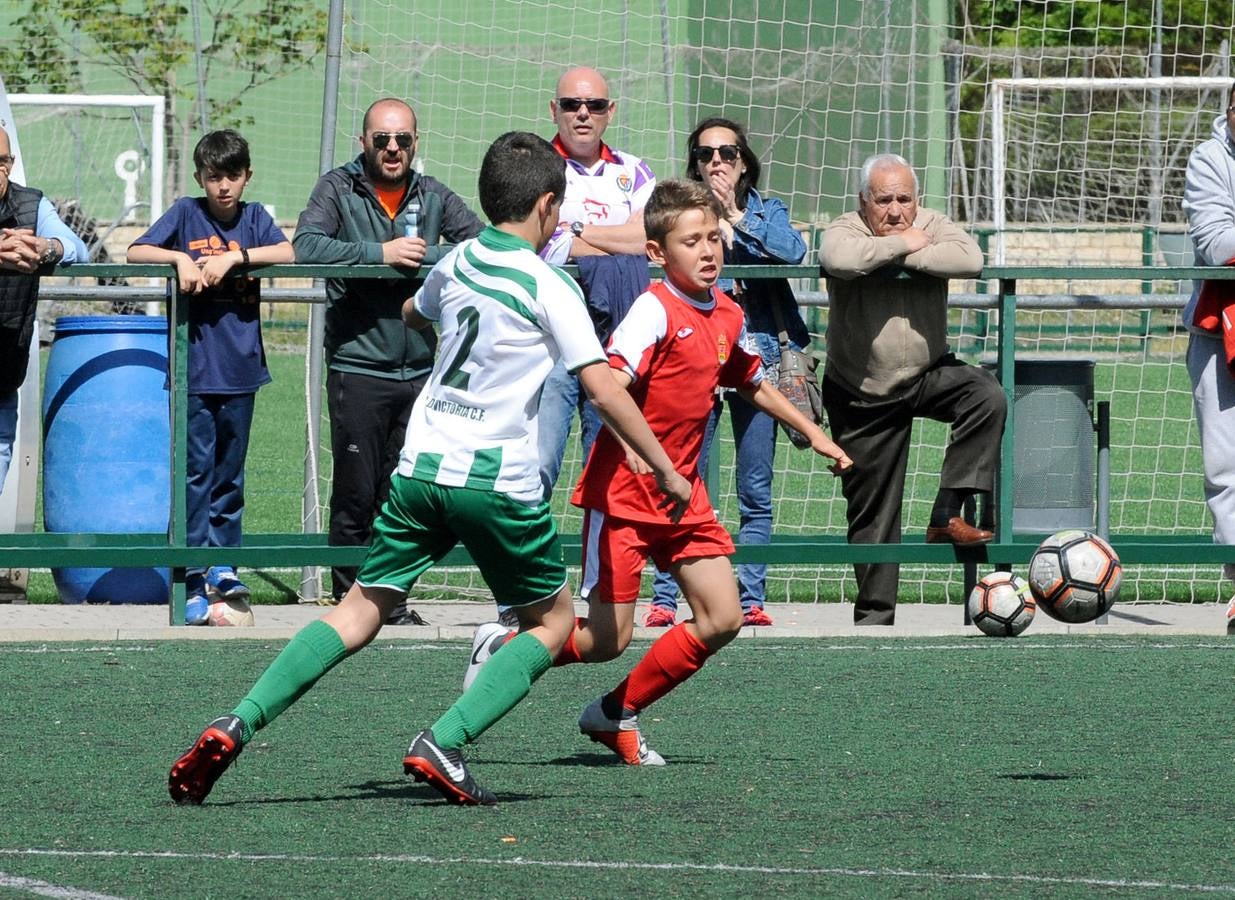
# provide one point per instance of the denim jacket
(764, 236)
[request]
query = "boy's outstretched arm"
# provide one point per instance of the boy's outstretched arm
(771, 401)
(188, 274)
(215, 268)
(618, 410)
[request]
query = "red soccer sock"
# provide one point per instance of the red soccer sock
(674, 657)
(570, 653)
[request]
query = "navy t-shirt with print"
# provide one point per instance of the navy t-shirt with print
(226, 355)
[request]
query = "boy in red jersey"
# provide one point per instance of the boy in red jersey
(681, 339)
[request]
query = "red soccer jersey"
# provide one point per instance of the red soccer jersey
(678, 352)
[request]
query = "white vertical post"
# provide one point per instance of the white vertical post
(998, 169)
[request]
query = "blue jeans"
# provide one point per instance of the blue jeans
(218, 441)
(559, 398)
(8, 433)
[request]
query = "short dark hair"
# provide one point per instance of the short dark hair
(518, 169)
(223, 151)
(672, 198)
(748, 179)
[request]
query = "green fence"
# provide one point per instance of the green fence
(997, 293)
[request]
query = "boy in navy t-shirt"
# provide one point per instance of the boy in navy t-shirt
(206, 238)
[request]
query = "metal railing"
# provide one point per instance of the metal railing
(44, 550)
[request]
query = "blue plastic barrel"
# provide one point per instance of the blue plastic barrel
(106, 440)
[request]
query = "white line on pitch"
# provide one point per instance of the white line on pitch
(620, 865)
(44, 889)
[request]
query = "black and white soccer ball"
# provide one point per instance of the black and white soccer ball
(1075, 576)
(1001, 605)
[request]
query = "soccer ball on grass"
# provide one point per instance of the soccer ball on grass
(230, 613)
(1075, 576)
(1001, 605)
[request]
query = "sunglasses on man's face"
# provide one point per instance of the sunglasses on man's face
(381, 139)
(728, 153)
(595, 105)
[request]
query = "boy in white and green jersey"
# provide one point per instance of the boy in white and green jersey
(505, 316)
(468, 472)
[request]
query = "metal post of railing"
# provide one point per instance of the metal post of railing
(178, 397)
(1102, 516)
(1007, 378)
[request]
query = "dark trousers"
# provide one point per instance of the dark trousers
(368, 421)
(875, 433)
(218, 441)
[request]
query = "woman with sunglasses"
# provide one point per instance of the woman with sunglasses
(757, 231)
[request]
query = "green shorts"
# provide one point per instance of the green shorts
(514, 545)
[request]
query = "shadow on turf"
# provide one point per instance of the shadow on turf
(377, 790)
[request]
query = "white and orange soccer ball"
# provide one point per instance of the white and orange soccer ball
(230, 614)
(1075, 576)
(1001, 605)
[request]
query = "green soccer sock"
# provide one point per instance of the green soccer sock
(314, 651)
(503, 681)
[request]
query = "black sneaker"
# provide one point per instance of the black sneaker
(405, 616)
(194, 774)
(445, 771)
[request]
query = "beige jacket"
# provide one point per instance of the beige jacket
(883, 332)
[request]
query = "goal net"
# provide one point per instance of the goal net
(1081, 171)
(1046, 129)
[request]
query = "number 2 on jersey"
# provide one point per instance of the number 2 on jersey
(469, 324)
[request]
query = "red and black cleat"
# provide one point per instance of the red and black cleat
(194, 774)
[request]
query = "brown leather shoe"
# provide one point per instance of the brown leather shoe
(959, 532)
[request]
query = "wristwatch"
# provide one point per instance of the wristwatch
(576, 228)
(52, 253)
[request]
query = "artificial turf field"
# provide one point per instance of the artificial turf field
(1049, 766)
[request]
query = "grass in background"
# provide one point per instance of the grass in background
(1058, 765)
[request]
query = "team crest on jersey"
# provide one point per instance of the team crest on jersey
(722, 349)
(625, 182)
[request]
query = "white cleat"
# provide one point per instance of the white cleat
(489, 637)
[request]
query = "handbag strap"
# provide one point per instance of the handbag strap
(782, 334)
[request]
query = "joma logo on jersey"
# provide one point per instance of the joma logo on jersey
(722, 349)
(212, 246)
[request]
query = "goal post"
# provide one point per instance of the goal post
(1057, 144)
(46, 126)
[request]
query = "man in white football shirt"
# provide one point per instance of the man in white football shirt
(602, 213)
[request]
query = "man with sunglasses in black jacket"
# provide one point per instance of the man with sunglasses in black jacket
(375, 209)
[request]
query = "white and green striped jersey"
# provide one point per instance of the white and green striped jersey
(504, 317)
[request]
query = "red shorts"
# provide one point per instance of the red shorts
(615, 551)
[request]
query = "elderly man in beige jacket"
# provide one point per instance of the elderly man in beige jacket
(888, 363)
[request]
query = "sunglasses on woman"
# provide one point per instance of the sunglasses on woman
(728, 152)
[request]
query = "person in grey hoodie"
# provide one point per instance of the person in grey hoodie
(375, 209)
(888, 363)
(1209, 204)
